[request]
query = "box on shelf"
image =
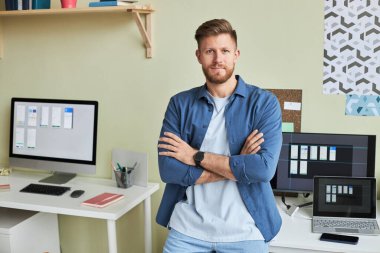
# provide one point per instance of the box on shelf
(14, 5)
(40, 4)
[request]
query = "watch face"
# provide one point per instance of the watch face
(198, 158)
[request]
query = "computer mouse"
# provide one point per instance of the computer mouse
(76, 193)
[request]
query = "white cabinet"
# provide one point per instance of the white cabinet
(26, 231)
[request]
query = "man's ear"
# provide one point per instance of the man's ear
(237, 54)
(198, 54)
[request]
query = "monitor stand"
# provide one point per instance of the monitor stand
(58, 178)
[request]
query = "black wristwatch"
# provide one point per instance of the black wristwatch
(198, 158)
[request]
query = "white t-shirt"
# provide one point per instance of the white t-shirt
(215, 212)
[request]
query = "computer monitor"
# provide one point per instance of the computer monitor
(305, 155)
(55, 135)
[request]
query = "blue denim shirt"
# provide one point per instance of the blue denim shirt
(188, 116)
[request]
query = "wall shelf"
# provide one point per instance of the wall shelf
(145, 28)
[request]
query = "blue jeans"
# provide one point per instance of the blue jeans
(180, 243)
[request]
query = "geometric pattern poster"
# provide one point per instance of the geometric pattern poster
(368, 105)
(352, 47)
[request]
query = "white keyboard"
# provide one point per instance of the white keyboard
(369, 224)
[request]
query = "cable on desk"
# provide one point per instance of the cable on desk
(306, 204)
(289, 206)
(304, 217)
(283, 201)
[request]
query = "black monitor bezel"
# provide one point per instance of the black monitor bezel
(55, 101)
(370, 161)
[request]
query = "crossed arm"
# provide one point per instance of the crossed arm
(216, 167)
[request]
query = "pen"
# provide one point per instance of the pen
(132, 168)
(113, 167)
(119, 167)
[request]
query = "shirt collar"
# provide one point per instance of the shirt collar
(241, 89)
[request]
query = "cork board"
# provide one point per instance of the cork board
(291, 106)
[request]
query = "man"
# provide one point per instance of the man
(213, 158)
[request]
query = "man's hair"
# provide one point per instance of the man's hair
(215, 27)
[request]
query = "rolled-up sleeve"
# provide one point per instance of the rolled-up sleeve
(171, 170)
(261, 167)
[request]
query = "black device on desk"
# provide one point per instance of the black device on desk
(45, 189)
(76, 193)
(339, 238)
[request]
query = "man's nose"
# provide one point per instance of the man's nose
(218, 57)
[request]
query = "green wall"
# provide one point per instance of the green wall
(101, 57)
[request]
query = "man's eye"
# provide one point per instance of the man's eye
(225, 51)
(209, 51)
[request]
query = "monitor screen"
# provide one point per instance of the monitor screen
(345, 197)
(55, 135)
(305, 155)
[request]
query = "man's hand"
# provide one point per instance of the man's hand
(177, 148)
(252, 143)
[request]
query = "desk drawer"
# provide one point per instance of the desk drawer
(24, 231)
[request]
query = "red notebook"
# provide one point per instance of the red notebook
(103, 199)
(4, 187)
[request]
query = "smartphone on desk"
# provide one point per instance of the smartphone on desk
(339, 238)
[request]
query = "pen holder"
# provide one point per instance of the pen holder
(69, 3)
(123, 179)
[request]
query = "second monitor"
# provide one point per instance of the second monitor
(305, 155)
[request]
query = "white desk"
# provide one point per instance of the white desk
(70, 206)
(295, 235)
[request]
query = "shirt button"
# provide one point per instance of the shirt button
(204, 126)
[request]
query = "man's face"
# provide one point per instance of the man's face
(218, 56)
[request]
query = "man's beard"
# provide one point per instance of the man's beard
(218, 79)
